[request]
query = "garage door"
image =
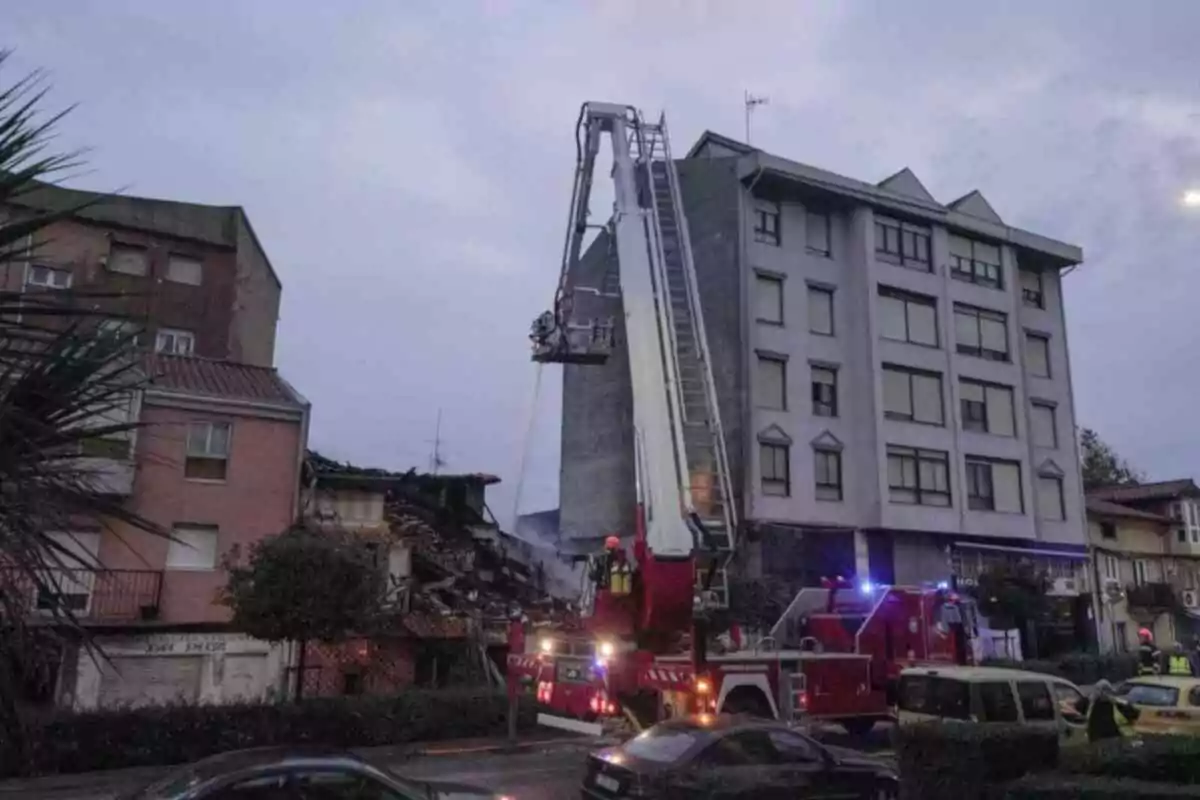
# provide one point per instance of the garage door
(245, 678)
(146, 680)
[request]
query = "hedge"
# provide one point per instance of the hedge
(1082, 669)
(1064, 787)
(1167, 759)
(68, 742)
(965, 760)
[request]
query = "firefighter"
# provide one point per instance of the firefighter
(1108, 717)
(1180, 663)
(1149, 656)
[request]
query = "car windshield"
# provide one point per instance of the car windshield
(661, 746)
(187, 777)
(938, 697)
(1146, 694)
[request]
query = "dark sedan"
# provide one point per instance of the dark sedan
(733, 758)
(298, 774)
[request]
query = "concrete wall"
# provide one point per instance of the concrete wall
(256, 301)
(255, 500)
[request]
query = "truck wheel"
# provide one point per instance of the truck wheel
(747, 700)
(858, 726)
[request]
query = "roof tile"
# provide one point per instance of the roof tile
(1106, 509)
(216, 378)
(1139, 492)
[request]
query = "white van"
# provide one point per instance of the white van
(991, 694)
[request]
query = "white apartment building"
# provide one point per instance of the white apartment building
(893, 374)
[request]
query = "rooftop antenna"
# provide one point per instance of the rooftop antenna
(436, 461)
(752, 101)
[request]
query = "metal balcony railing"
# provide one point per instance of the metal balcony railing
(118, 595)
(1156, 596)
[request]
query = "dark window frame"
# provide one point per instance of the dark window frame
(979, 502)
(832, 462)
(909, 372)
(1108, 530)
(767, 223)
(1062, 496)
(919, 456)
(965, 403)
(1044, 338)
(828, 295)
(777, 282)
(905, 233)
(1034, 298)
(912, 298)
(828, 220)
(1053, 409)
(783, 366)
(1027, 694)
(982, 352)
(822, 405)
(969, 270)
(776, 449)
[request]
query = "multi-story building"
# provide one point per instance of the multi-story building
(892, 372)
(216, 463)
(1145, 541)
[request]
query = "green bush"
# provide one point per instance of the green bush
(963, 760)
(1167, 759)
(1082, 669)
(68, 742)
(1085, 787)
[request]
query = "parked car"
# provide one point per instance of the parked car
(1168, 704)
(282, 773)
(991, 694)
(733, 758)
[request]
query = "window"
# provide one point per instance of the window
(1121, 637)
(828, 469)
(48, 277)
(1037, 355)
(912, 395)
(776, 472)
(997, 702)
(906, 317)
(1032, 293)
(170, 340)
(1140, 568)
(987, 408)
(768, 294)
(661, 745)
(975, 262)
(207, 450)
(1108, 530)
(918, 477)
(817, 230)
(181, 269)
(994, 485)
(1110, 567)
(1045, 431)
(824, 392)
(120, 328)
(192, 547)
(772, 383)
(794, 748)
(936, 697)
(127, 260)
(766, 222)
(1036, 703)
(1068, 698)
(979, 332)
(820, 311)
(1050, 498)
(903, 244)
(336, 785)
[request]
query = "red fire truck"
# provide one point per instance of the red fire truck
(646, 649)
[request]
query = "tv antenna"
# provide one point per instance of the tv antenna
(436, 461)
(751, 101)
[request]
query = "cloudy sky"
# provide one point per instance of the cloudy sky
(408, 165)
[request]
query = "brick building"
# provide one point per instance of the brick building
(217, 463)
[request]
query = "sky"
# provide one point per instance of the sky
(408, 167)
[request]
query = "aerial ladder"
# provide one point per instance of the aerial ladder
(685, 522)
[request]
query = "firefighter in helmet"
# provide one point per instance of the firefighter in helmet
(1149, 656)
(1179, 662)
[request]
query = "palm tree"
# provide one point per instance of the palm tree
(66, 380)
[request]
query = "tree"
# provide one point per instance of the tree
(64, 383)
(1101, 464)
(303, 585)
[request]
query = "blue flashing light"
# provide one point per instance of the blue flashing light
(943, 585)
(867, 587)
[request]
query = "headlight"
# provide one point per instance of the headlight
(607, 649)
(547, 645)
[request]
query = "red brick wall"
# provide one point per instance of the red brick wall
(255, 500)
(386, 666)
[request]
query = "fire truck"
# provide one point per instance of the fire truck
(646, 648)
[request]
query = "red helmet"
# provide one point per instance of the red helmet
(612, 543)
(1145, 633)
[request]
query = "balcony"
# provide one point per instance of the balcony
(1156, 596)
(93, 596)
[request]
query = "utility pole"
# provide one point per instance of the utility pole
(435, 459)
(751, 101)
